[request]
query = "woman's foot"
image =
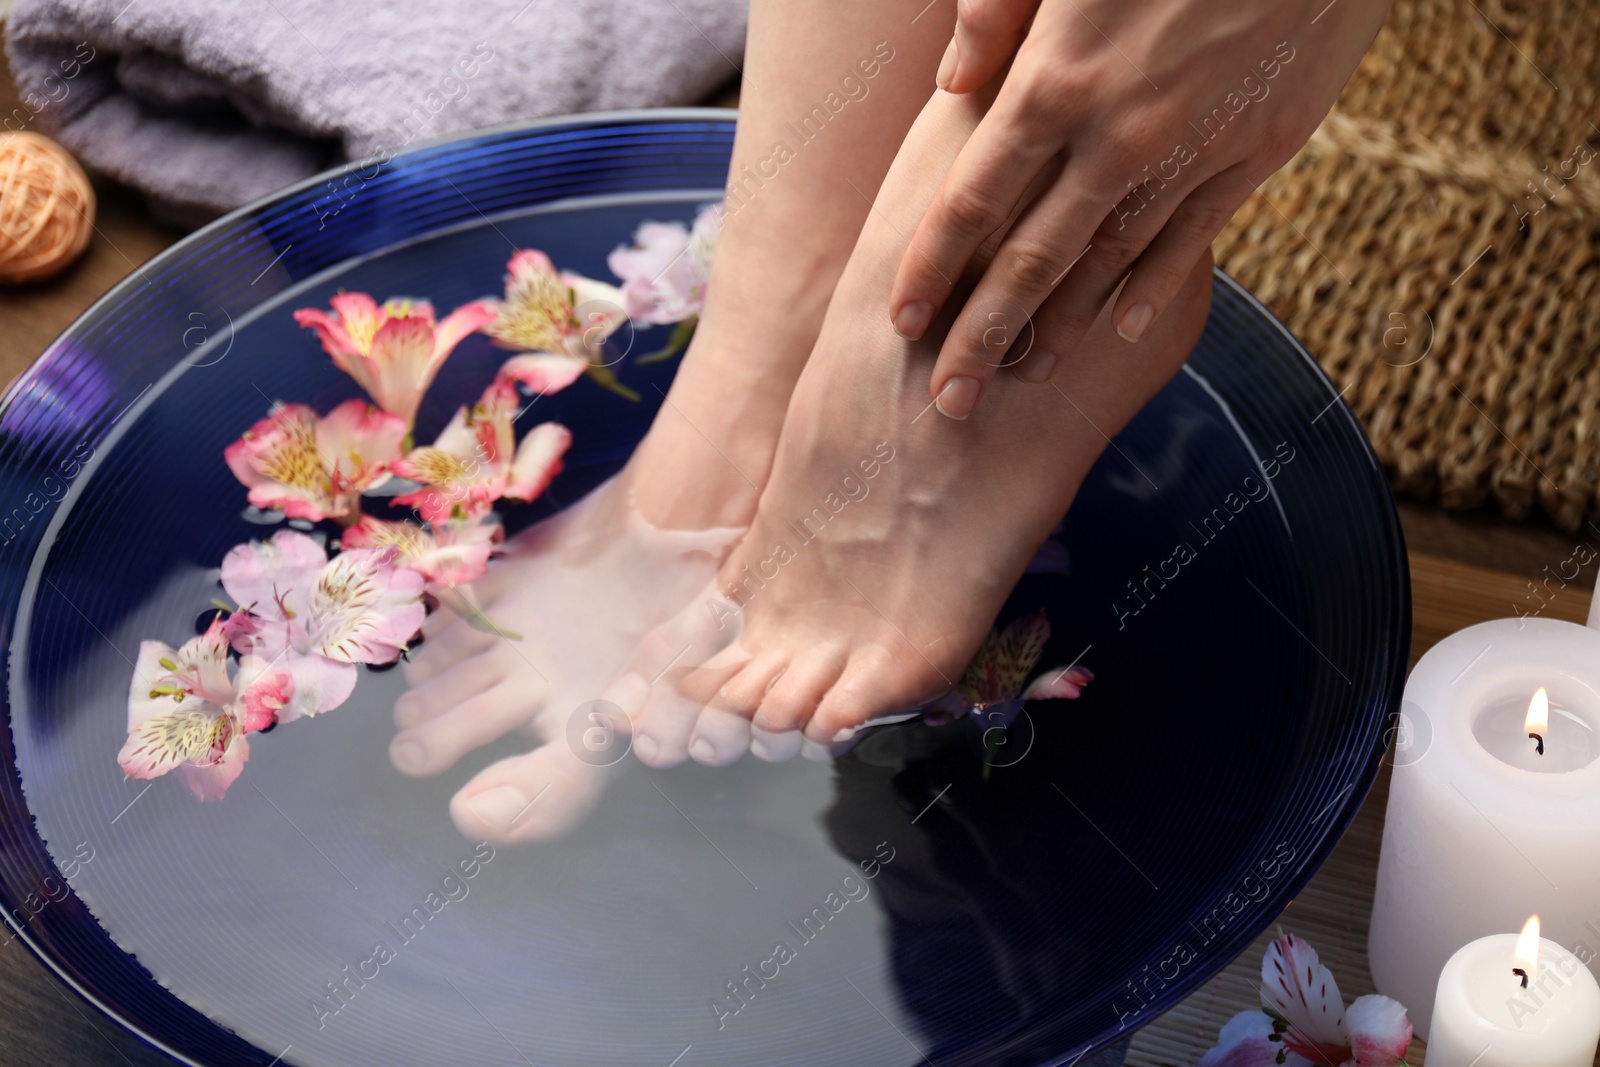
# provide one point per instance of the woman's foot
(889, 534)
(581, 588)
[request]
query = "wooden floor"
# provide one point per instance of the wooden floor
(1467, 568)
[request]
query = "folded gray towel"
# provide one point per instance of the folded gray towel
(207, 105)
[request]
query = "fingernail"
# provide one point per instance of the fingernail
(759, 749)
(947, 66)
(499, 806)
(702, 750)
(408, 756)
(844, 735)
(1037, 366)
(958, 397)
(1135, 322)
(645, 747)
(912, 322)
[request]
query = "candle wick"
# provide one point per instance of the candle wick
(1540, 740)
(1521, 974)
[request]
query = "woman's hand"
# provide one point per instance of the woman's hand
(1123, 138)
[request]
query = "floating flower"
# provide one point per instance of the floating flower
(664, 273)
(450, 555)
(186, 714)
(316, 468)
(476, 460)
(395, 349)
(1304, 1022)
(320, 617)
(998, 674)
(560, 314)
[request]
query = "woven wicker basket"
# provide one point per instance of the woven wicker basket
(1442, 258)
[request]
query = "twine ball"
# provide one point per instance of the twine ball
(46, 207)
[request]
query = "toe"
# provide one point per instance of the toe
(742, 693)
(452, 643)
(774, 746)
(538, 795)
(461, 682)
(437, 743)
(661, 731)
(793, 698)
(875, 683)
(720, 736)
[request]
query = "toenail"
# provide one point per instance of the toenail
(844, 735)
(500, 806)
(1135, 322)
(759, 750)
(645, 747)
(408, 756)
(912, 322)
(958, 397)
(1037, 367)
(703, 750)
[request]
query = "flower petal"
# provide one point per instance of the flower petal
(364, 608)
(538, 460)
(1018, 649)
(544, 372)
(166, 740)
(1244, 1041)
(401, 364)
(358, 444)
(265, 688)
(360, 315)
(268, 575)
(454, 327)
(1059, 683)
(331, 332)
(597, 313)
(1380, 1031)
(536, 314)
(211, 782)
(1298, 987)
(278, 461)
(320, 684)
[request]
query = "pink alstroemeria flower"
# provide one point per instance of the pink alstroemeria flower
(559, 321)
(319, 617)
(316, 468)
(450, 555)
(998, 673)
(395, 349)
(186, 714)
(664, 273)
(1305, 1023)
(477, 460)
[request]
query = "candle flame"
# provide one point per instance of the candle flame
(1527, 954)
(1538, 721)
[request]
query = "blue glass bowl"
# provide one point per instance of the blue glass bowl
(1232, 571)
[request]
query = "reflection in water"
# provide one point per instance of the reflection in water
(969, 895)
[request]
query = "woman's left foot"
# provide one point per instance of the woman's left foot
(889, 535)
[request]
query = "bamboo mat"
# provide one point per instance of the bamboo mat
(1333, 911)
(1435, 245)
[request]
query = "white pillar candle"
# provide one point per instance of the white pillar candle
(1482, 830)
(1483, 1017)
